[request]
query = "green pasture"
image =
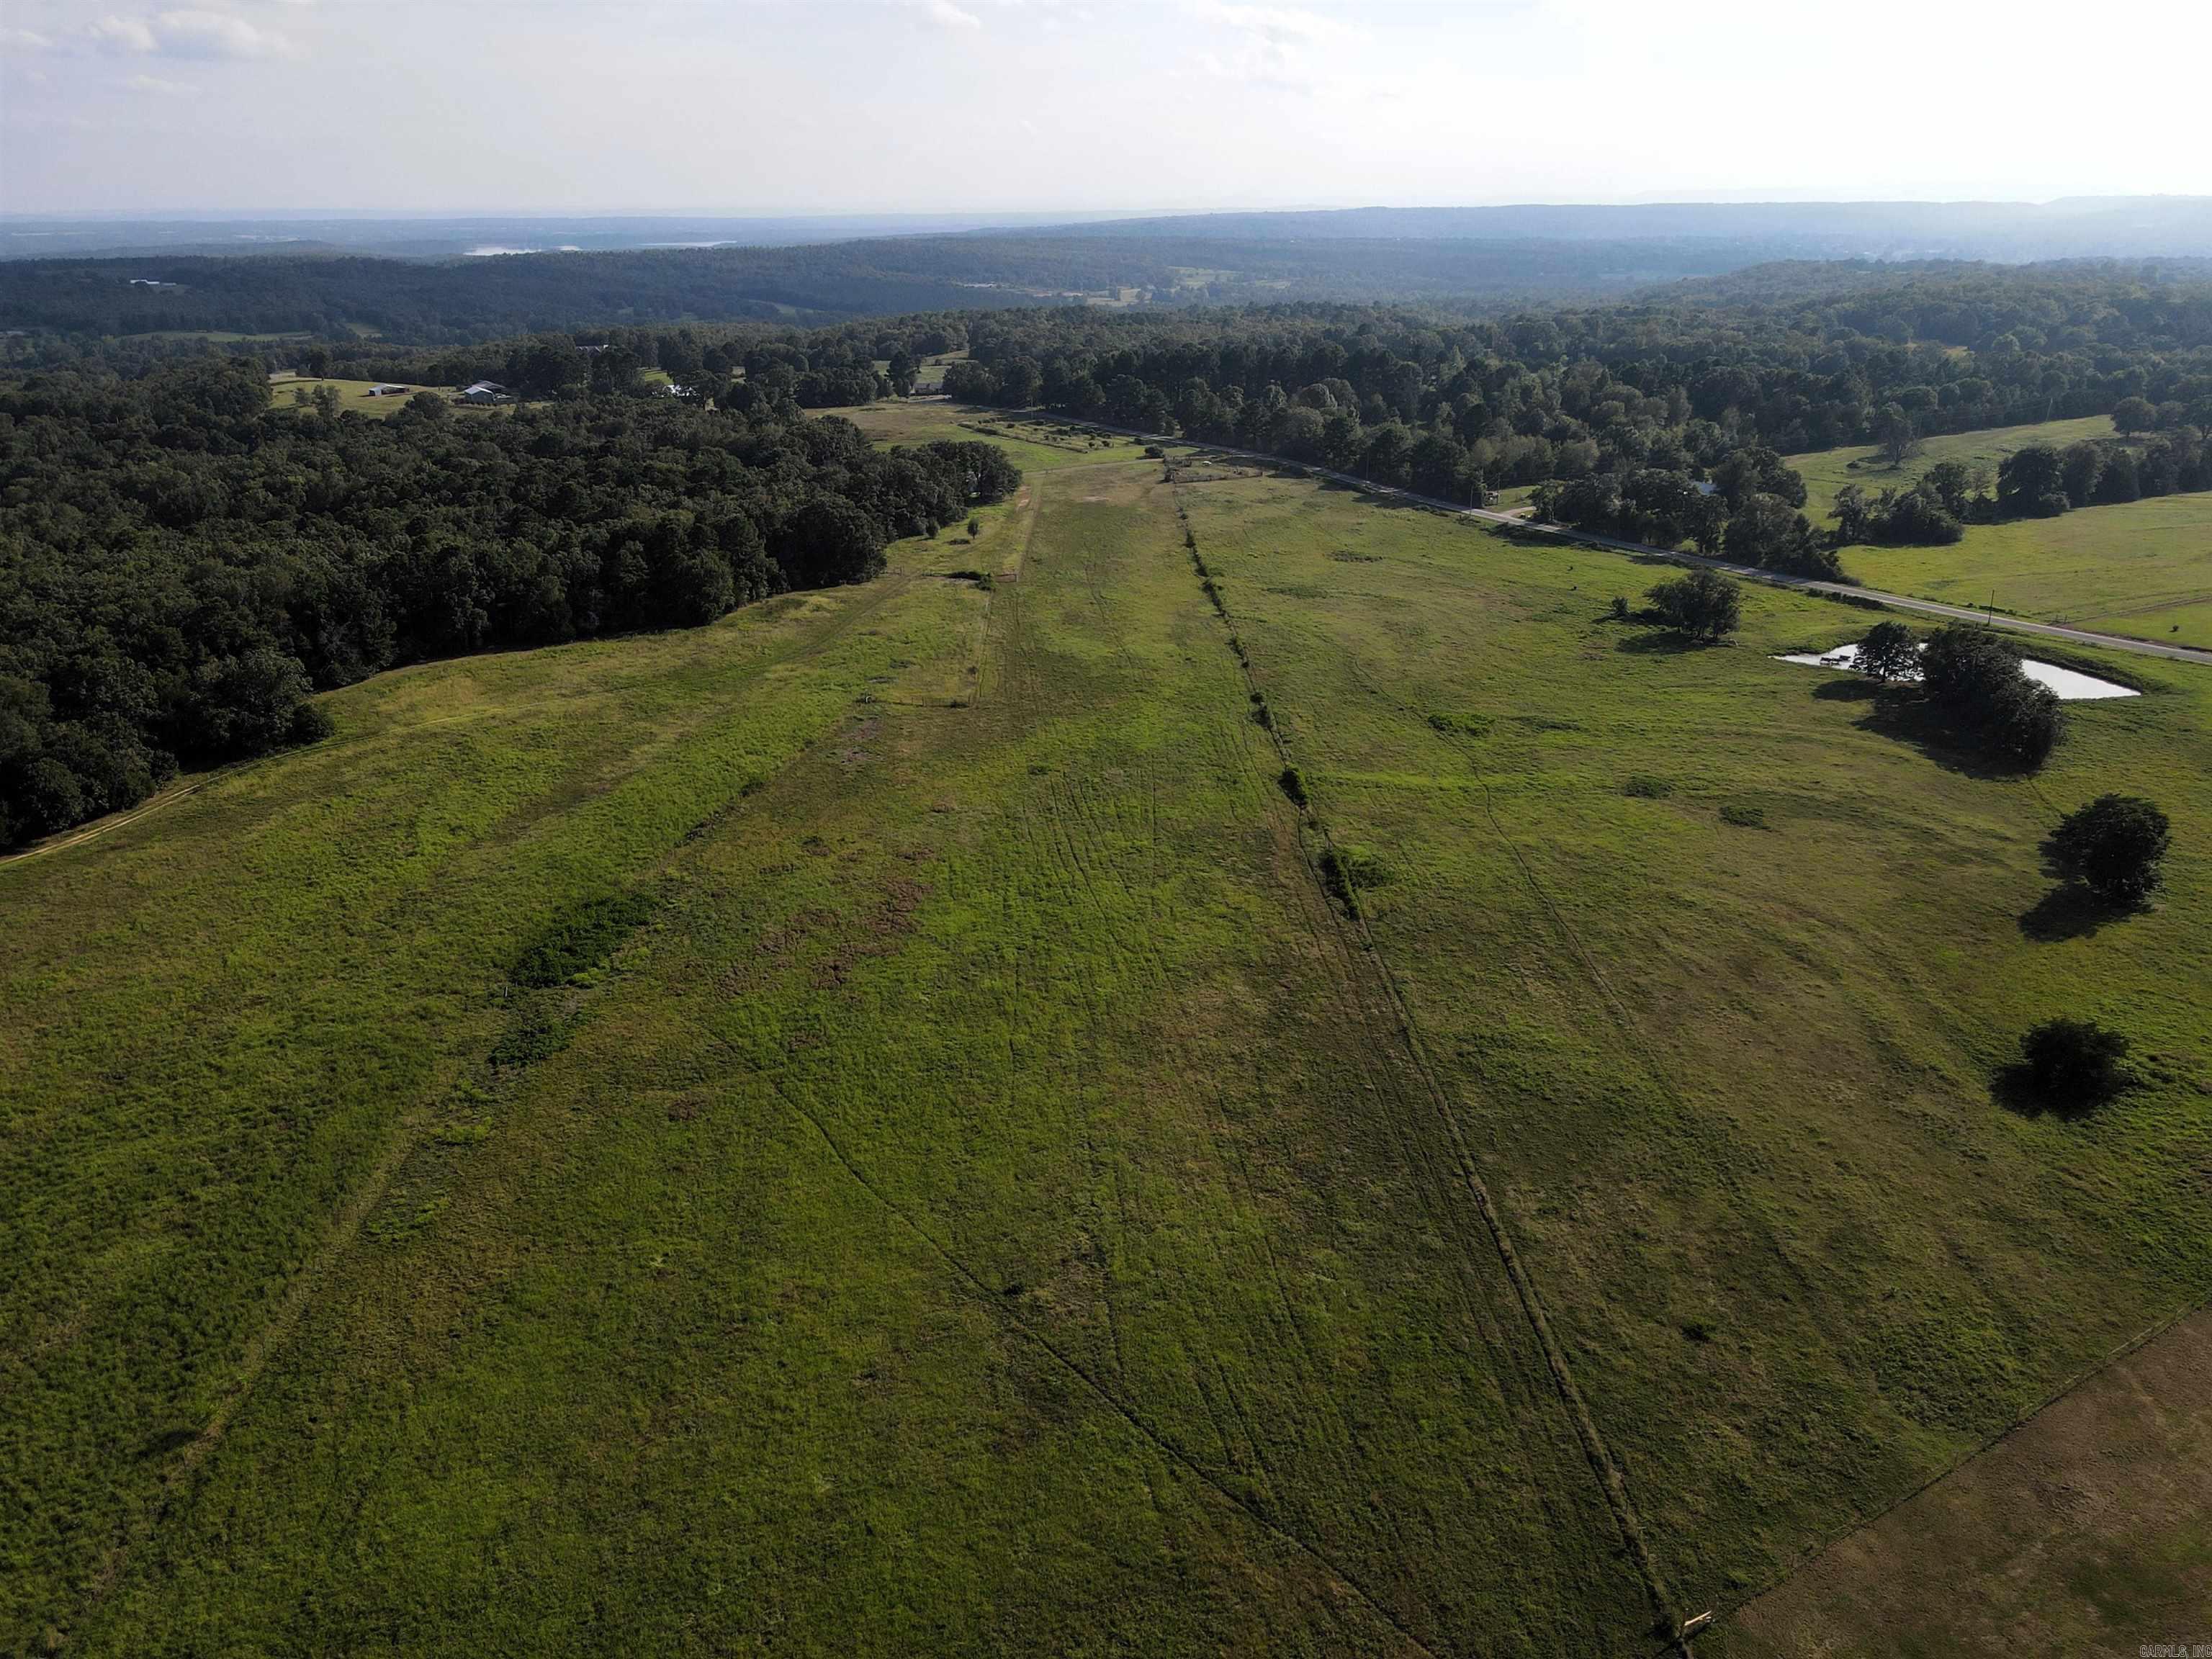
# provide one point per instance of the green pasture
(980, 1209)
(2141, 569)
(1036, 442)
(1736, 1083)
(1826, 471)
(974, 1191)
(352, 394)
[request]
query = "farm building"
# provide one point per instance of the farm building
(383, 390)
(484, 392)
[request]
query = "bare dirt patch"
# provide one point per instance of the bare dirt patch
(2086, 1530)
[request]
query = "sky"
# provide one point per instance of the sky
(796, 106)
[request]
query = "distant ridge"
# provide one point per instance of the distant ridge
(2119, 227)
(2074, 228)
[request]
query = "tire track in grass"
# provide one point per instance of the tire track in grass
(1634, 1032)
(1226, 748)
(1084, 824)
(1355, 1006)
(176, 1481)
(1612, 1481)
(1088, 830)
(100, 826)
(988, 1297)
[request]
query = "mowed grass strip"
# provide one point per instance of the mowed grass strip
(984, 1210)
(1724, 972)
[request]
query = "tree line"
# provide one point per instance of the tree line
(1665, 420)
(2036, 481)
(181, 564)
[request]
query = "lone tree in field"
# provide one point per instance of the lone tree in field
(2074, 1063)
(2113, 847)
(2134, 415)
(1888, 653)
(2032, 482)
(1894, 435)
(1705, 604)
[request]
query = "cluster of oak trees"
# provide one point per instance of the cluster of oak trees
(182, 563)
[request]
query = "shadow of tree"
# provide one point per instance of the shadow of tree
(2071, 911)
(2014, 1087)
(1905, 717)
(1856, 688)
(1663, 641)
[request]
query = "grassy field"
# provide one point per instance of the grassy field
(1035, 444)
(1733, 1083)
(352, 394)
(2083, 1532)
(1826, 471)
(2142, 568)
(975, 1214)
(966, 1188)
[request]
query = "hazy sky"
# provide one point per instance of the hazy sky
(779, 106)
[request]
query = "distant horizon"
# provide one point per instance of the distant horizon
(900, 106)
(1052, 215)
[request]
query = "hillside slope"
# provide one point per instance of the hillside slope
(863, 1129)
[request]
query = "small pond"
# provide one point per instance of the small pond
(2071, 686)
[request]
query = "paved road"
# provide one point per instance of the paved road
(1772, 578)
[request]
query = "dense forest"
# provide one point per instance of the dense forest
(460, 300)
(1665, 420)
(182, 563)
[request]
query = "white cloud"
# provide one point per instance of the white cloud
(1281, 24)
(1286, 48)
(156, 85)
(1288, 102)
(188, 33)
(123, 34)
